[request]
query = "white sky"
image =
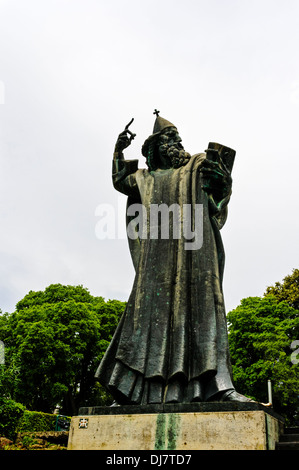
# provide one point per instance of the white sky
(72, 75)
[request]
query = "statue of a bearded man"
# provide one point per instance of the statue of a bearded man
(171, 344)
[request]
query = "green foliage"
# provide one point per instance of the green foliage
(288, 290)
(10, 414)
(261, 331)
(33, 421)
(54, 342)
(14, 418)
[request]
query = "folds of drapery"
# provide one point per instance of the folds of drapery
(171, 343)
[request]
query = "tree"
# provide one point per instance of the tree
(288, 290)
(261, 333)
(53, 343)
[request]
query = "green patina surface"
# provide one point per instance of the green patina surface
(167, 428)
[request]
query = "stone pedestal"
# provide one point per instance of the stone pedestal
(195, 426)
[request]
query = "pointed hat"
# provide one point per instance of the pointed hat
(159, 126)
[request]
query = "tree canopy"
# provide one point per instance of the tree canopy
(53, 344)
(261, 334)
(288, 290)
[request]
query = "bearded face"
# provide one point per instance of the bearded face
(171, 151)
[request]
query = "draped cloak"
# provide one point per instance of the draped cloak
(171, 343)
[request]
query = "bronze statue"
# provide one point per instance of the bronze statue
(171, 345)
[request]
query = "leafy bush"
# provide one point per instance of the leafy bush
(33, 421)
(10, 414)
(14, 418)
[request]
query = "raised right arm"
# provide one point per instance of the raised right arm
(123, 171)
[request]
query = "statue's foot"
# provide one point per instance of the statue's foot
(232, 395)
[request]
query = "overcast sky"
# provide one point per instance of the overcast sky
(72, 75)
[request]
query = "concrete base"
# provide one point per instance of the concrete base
(196, 428)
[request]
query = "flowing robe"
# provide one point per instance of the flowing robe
(171, 343)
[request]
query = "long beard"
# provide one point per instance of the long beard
(176, 154)
(178, 157)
